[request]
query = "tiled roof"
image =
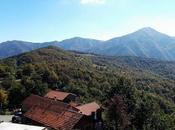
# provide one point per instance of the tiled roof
(54, 114)
(62, 120)
(35, 100)
(58, 95)
(73, 104)
(87, 109)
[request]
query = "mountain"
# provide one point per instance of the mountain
(11, 48)
(145, 43)
(79, 44)
(146, 86)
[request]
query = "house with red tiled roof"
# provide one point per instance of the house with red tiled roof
(35, 100)
(58, 115)
(61, 96)
(50, 113)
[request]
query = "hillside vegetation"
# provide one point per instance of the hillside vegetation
(144, 88)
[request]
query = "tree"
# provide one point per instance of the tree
(117, 114)
(28, 69)
(34, 85)
(3, 99)
(50, 77)
(16, 95)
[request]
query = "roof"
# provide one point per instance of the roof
(74, 104)
(35, 100)
(63, 120)
(13, 126)
(87, 109)
(51, 113)
(58, 95)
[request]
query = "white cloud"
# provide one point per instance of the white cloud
(92, 1)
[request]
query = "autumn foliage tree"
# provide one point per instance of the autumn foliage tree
(3, 98)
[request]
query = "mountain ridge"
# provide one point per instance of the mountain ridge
(145, 42)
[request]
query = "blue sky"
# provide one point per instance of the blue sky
(48, 20)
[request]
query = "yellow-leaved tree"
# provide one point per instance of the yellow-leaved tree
(3, 98)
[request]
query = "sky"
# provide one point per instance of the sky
(50, 20)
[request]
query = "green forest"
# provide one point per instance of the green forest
(136, 93)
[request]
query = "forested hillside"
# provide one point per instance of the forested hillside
(137, 94)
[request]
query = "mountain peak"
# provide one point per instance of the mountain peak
(147, 30)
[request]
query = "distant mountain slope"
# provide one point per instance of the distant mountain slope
(79, 44)
(146, 43)
(163, 68)
(11, 48)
